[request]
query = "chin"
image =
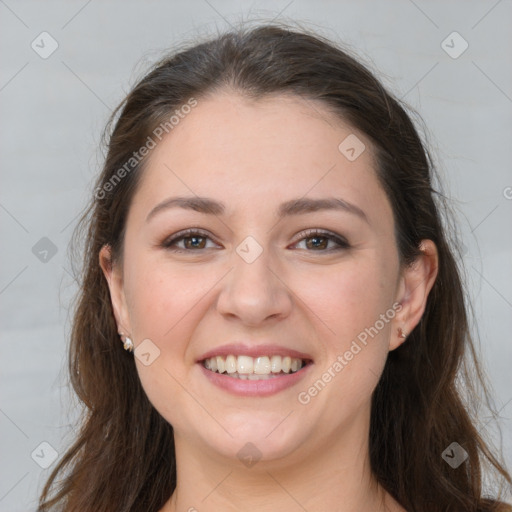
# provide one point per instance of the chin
(266, 438)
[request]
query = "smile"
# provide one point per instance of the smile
(258, 376)
(254, 368)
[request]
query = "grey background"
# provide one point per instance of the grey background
(53, 111)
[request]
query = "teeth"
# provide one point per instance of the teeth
(275, 364)
(252, 376)
(231, 364)
(262, 365)
(253, 368)
(211, 364)
(244, 364)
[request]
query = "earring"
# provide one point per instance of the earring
(402, 333)
(127, 343)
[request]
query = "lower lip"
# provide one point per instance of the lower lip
(265, 387)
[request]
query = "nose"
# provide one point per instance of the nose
(253, 292)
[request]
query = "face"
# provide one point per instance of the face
(268, 274)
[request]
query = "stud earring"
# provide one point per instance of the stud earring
(402, 333)
(127, 342)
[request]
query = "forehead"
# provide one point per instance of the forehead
(273, 148)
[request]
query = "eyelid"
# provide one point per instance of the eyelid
(185, 233)
(308, 233)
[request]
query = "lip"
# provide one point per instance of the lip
(240, 349)
(259, 388)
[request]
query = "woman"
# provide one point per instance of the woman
(266, 244)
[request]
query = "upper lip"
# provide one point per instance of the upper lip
(241, 349)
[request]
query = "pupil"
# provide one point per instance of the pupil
(193, 240)
(316, 243)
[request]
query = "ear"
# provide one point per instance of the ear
(414, 286)
(114, 277)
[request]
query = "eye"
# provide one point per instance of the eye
(320, 240)
(192, 239)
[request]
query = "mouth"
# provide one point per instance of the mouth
(258, 368)
(250, 370)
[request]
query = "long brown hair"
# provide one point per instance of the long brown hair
(123, 457)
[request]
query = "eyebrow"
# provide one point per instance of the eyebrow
(298, 206)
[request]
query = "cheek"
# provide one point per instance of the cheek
(357, 307)
(353, 297)
(153, 301)
(165, 306)
(166, 302)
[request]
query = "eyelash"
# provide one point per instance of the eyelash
(309, 233)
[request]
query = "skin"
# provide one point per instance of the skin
(253, 155)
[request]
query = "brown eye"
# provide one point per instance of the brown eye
(192, 241)
(318, 241)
